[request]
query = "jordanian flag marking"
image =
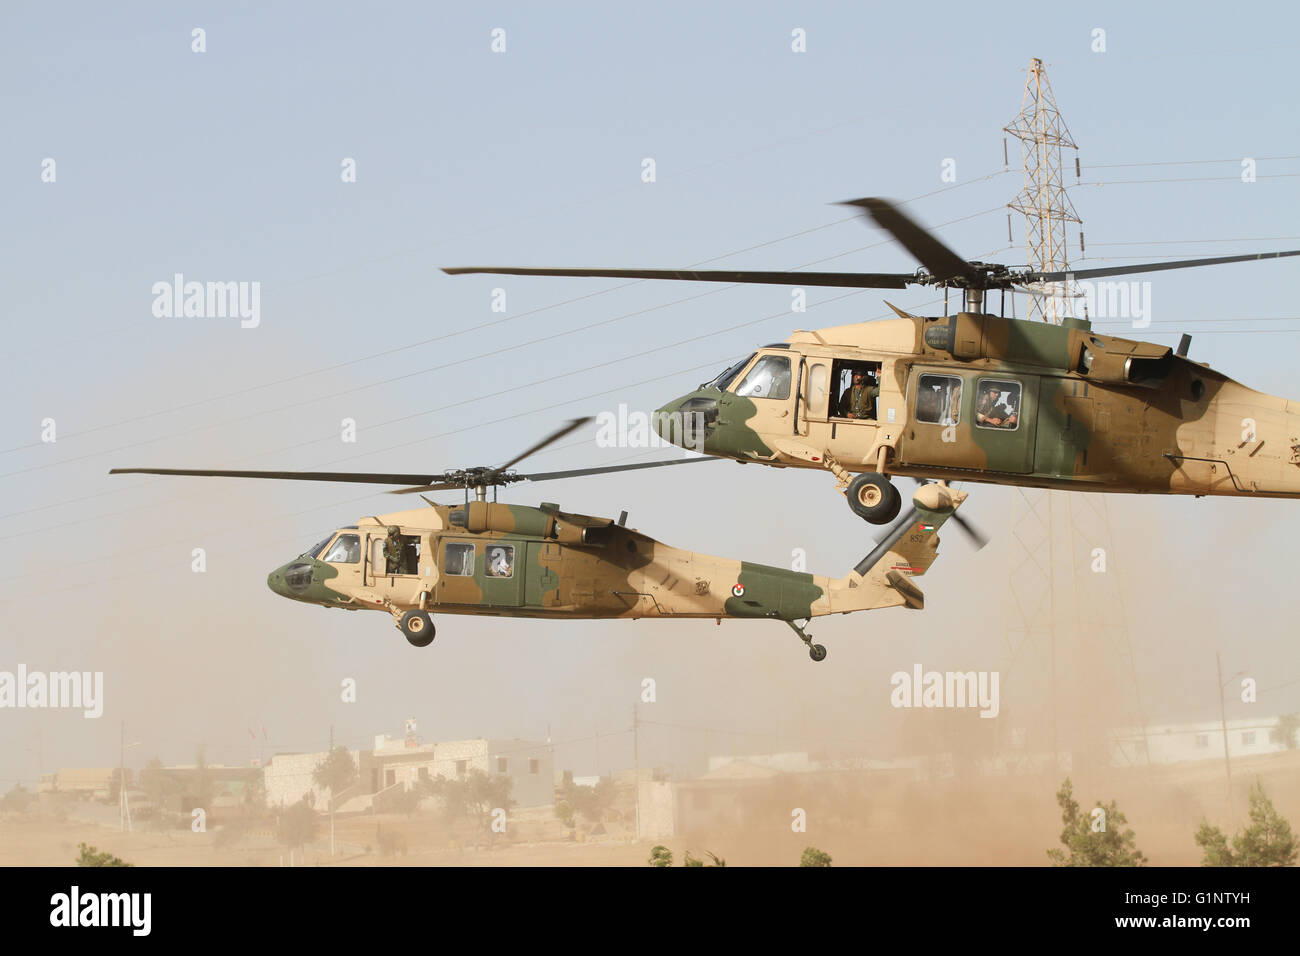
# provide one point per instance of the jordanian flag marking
(925, 527)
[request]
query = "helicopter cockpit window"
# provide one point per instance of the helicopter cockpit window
(769, 378)
(500, 561)
(346, 549)
(458, 560)
(997, 404)
(727, 376)
(938, 399)
(315, 550)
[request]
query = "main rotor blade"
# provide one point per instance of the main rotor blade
(851, 280)
(438, 486)
(1148, 267)
(554, 436)
(572, 473)
(362, 477)
(940, 261)
(609, 469)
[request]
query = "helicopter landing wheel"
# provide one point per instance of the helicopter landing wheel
(874, 498)
(815, 651)
(418, 628)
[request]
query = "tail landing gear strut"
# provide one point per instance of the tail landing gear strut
(815, 651)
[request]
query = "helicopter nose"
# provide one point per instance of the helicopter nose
(275, 581)
(688, 421)
(292, 580)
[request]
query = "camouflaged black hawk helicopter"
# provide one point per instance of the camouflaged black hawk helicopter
(484, 557)
(979, 397)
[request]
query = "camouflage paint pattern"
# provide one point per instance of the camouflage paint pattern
(577, 566)
(1096, 412)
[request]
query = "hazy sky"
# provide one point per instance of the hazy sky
(226, 165)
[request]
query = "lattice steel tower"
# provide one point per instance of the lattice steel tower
(1046, 207)
(1066, 657)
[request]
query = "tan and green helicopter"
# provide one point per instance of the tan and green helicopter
(980, 397)
(485, 557)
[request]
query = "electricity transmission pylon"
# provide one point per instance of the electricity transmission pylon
(1066, 634)
(1043, 201)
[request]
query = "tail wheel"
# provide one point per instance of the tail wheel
(873, 498)
(418, 628)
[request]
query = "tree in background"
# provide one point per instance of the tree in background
(18, 799)
(692, 861)
(398, 800)
(814, 857)
(588, 802)
(1266, 842)
(475, 795)
(155, 784)
(335, 773)
(661, 856)
(253, 798)
(204, 789)
(297, 825)
(91, 857)
(1094, 839)
(564, 810)
(1287, 725)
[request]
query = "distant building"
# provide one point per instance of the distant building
(288, 778)
(738, 791)
(219, 790)
(1178, 743)
(406, 763)
(786, 763)
(83, 781)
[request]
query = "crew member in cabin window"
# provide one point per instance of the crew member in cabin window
(859, 399)
(991, 412)
(500, 562)
(393, 550)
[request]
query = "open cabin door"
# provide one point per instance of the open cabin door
(411, 579)
(814, 391)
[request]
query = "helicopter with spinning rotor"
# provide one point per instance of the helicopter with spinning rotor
(484, 557)
(979, 397)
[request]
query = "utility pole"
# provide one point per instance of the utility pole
(1223, 720)
(331, 756)
(121, 776)
(636, 766)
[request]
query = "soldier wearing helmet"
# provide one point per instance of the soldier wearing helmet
(393, 550)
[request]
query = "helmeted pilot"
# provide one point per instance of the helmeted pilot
(859, 399)
(987, 411)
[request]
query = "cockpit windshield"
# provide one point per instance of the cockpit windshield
(726, 377)
(315, 550)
